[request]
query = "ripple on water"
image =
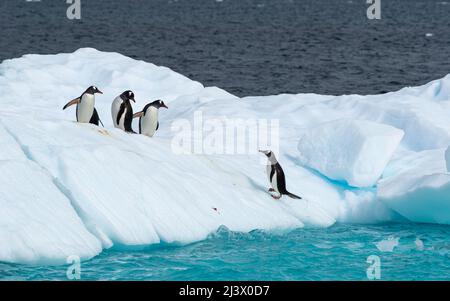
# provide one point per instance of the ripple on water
(339, 252)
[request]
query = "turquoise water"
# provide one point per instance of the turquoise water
(336, 253)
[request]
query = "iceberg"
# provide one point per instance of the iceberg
(420, 189)
(38, 224)
(70, 189)
(388, 245)
(354, 151)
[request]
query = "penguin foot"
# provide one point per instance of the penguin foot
(276, 197)
(103, 132)
(271, 190)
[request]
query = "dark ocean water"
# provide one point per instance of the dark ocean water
(257, 47)
(250, 47)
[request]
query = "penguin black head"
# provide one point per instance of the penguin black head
(93, 90)
(159, 104)
(268, 153)
(128, 95)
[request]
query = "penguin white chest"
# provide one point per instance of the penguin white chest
(149, 122)
(115, 107)
(85, 108)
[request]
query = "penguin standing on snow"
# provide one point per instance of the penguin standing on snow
(148, 118)
(276, 176)
(122, 112)
(86, 112)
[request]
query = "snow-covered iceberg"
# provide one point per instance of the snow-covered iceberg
(37, 221)
(420, 188)
(75, 189)
(355, 151)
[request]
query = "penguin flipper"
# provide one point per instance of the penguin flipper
(121, 110)
(138, 114)
(281, 179)
(72, 102)
(272, 172)
(129, 120)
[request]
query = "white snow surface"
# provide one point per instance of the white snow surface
(75, 189)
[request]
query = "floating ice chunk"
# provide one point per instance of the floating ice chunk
(354, 151)
(388, 245)
(419, 244)
(100, 187)
(104, 188)
(447, 158)
(420, 190)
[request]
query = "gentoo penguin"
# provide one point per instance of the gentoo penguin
(122, 112)
(86, 112)
(276, 176)
(148, 118)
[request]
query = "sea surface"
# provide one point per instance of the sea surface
(250, 47)
(352, 252)
(258, 47)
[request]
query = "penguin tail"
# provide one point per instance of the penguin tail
(293, 196)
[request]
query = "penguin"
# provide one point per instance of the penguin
(276, 176)
(122, 112)
(86, 112)
(148, 118)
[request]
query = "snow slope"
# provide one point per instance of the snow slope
(75, 189)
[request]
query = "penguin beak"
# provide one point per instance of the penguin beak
(264, 152)
(99, 92)
(164, 106)
(133, 100)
